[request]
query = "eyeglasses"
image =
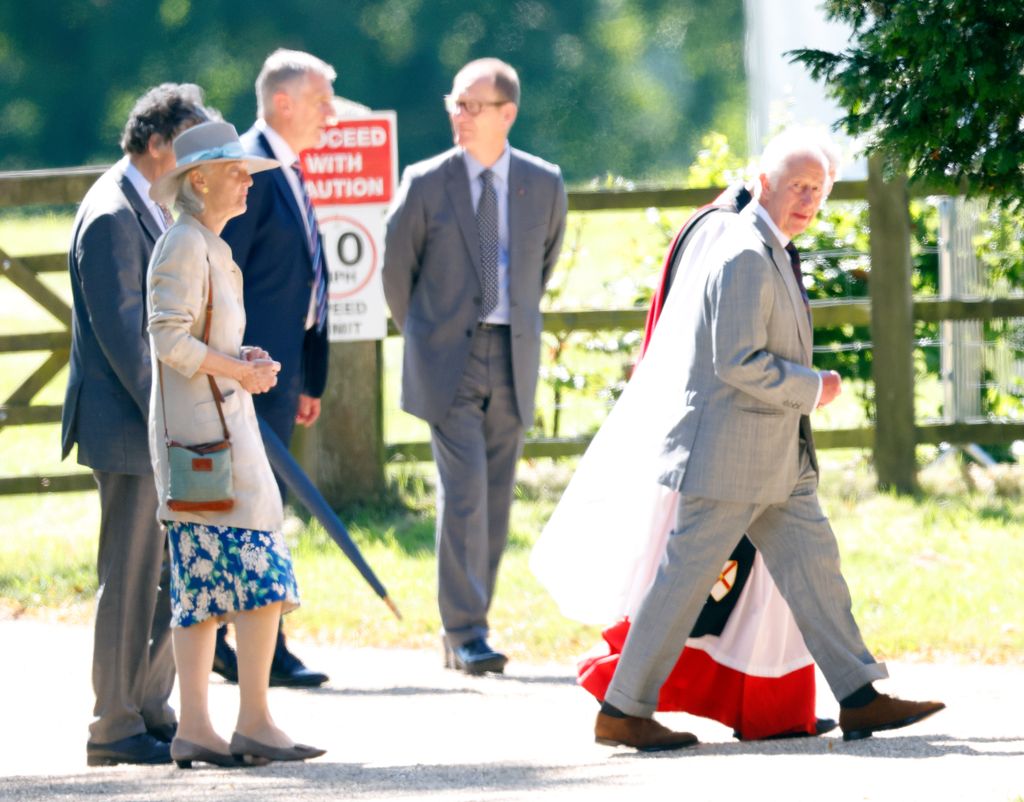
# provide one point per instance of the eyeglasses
(471, 107)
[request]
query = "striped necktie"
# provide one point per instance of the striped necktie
(487, 229)
(315, 251)
(165, 215)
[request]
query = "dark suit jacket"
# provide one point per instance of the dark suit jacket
(432, 274)
(269, 244)
(107, 400)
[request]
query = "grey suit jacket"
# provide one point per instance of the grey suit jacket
(107, 397)
(746, 358)
(432, 274)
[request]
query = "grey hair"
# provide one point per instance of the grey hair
(185, 198)
(791, 144)
(502, 75)
(284, 67)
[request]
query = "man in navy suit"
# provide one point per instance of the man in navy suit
(106, 407)
(277, 245)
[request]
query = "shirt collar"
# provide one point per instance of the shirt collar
(281, 150)
(761, 212)
(499, 168)
(139, 181)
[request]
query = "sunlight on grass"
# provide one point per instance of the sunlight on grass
(931, 576)
(29, 234)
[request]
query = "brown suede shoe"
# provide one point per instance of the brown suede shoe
(643, 734)
(884, 713)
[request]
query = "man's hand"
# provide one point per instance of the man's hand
(831, 387)
(309, 410)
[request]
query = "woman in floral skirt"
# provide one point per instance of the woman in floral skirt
(230, 564)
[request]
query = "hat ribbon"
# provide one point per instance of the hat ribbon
(232, 150)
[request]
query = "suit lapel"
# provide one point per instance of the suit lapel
(518, 198)
(781, 261)
(281, 185)
(145, 216)
(456, 184)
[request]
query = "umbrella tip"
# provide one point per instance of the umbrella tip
(393, 606)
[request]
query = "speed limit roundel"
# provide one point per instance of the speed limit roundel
(352, 256)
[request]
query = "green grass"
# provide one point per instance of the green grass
(935, 576)
(931, 576)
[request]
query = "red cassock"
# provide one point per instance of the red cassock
(745, 664)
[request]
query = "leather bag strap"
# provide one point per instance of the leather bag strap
(218, 398)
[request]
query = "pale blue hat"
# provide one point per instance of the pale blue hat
(206, 143)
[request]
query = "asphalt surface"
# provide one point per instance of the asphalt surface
(399, 726)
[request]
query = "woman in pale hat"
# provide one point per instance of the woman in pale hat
(230, 563)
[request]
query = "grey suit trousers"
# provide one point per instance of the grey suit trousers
(132, 662)
(799, 550)
(476, 448)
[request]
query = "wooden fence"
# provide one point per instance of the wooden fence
(890, 312)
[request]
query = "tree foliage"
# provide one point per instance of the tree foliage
(937, 86)
(620, 86)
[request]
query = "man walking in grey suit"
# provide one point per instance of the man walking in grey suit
(105, 412)
(472, 238)
(742, 458)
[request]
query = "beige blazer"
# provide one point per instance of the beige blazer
(184, 258)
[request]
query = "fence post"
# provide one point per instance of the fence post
(344, 451)
(892, 330)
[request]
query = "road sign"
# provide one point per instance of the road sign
(351, 178)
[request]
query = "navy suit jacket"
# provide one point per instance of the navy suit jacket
(106, 404)
(268, 243)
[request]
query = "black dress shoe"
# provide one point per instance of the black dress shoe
(225, 662)
(163, 732)
(288, 671)
(474, 657)
(141, 749)
(821, 726)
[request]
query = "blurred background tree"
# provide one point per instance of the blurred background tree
(609, 86)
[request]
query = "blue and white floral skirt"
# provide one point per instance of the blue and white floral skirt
(218, 571)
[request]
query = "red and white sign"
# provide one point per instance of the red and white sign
(351, 178)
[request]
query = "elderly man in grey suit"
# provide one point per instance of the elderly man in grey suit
(105, 412)
(472, 238)
(742, 458)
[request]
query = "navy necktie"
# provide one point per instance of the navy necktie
(315, 251)
(487, 229)
(794, 262)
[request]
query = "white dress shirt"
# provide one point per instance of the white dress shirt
(141, 184)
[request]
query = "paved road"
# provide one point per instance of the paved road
(400, 727)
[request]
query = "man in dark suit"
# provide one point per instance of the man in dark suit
(277, 245)
(472, 238)
(105, 412)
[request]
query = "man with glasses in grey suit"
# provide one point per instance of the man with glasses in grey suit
(741, 456)
(105, 411)
(472, 238)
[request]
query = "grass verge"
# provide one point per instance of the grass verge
(931, 577)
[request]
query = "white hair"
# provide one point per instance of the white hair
(795, 143)
(185, 198)
(284, 68)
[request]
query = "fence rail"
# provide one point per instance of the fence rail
(67, 186)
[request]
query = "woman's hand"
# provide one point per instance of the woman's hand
(251, 352)
(257, 374)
